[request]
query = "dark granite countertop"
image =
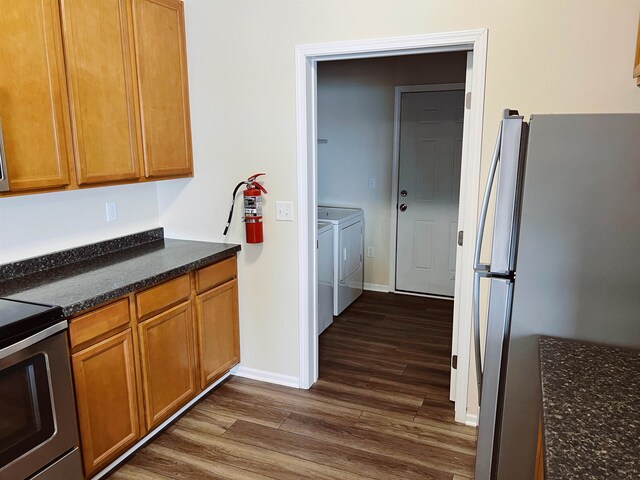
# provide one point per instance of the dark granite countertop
(83, 277)
(590, 411)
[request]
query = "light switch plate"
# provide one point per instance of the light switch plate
(111, 211)
(284, 211)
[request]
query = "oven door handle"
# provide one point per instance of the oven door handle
(33, 339)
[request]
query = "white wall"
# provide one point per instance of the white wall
(355, 115)
(543, 56)
(31, 225)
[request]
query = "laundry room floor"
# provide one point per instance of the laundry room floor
(380, 410)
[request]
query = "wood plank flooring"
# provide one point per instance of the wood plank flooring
(380, 410)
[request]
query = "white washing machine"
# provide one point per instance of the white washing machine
(348, 253)
(325, 275)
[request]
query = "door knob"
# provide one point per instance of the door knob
(403, 207)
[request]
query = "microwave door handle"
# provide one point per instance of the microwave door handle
(485, 205)
(4, 180)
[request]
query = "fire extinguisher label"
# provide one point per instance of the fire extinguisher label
(253, 206)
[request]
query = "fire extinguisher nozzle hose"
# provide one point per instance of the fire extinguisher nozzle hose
(233, 201)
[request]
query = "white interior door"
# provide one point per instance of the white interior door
(428, 191)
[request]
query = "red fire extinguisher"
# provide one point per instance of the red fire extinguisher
(252, 197)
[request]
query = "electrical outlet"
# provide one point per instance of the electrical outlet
(370, 252)
(111, 211)
(373, 183)
(284, 211)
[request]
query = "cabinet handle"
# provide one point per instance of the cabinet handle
(4, 181)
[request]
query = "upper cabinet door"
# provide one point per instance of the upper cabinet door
(162, 80)
(33, 96)
(102, 86)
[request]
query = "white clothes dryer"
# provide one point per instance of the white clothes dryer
(348, 254)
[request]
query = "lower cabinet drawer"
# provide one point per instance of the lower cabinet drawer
(105, 381)
(99, 323)
(157, 299)
(216, 274)
(168, 362)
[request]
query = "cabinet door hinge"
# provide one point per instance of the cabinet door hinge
(454, 362)
(468, 101)
(460, 237)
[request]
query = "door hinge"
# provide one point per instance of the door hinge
(454, 362)
(467, 101)
(460, 238)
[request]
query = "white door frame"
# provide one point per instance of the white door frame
(395, 171)
(307, 57)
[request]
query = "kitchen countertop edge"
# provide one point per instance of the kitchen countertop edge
(88, 276)
(77, 308)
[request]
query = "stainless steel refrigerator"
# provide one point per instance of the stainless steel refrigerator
(564, 261)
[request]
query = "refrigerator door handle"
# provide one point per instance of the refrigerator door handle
(482, 269)
(485, 204)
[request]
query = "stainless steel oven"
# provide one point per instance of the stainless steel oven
(38, 428)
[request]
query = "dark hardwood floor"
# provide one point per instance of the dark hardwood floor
(380, 410)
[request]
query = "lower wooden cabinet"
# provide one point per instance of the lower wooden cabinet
(139, 359)
(218, 336)
(167, 362)
(105, 381)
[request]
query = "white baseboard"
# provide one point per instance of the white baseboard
(265, 376)
(471, 419)
(374, 287)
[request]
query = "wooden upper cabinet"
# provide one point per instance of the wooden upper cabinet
(95, 87)
(33, 95)
(163, 87)
(102, 87)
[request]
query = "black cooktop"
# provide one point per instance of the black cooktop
(19, 320)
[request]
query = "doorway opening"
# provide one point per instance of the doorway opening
(308, 58)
